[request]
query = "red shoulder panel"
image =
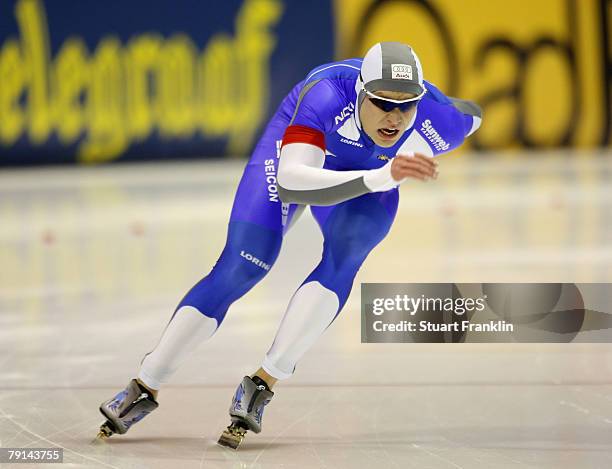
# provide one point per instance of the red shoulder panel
(303, 134)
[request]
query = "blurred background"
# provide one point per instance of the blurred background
(90, 92)
(86, 83)
(124, 128)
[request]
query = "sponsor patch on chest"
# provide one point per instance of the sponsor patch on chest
(433, 136)
(351, 142)
(346, 111)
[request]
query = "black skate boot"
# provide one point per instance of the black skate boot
(246, 410)
(125, 409)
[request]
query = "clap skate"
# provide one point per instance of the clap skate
(246, 410)
(125, 409)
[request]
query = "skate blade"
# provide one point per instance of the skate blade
(104, 433)
(232, 437)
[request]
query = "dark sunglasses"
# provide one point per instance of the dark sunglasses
(388, 106)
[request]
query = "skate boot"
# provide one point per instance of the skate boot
(125, 409)
(246, 410)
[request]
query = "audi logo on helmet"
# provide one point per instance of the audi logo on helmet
(401, 71)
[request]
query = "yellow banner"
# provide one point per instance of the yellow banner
(539, 69)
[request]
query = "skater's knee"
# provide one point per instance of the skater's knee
(249, 252)
(351, 245)
(239, 267)
(342, 258)
(233, 276)
(345, 254)
(247, 257)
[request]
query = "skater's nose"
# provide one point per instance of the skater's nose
(394, 117)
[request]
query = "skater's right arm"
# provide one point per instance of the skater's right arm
(302, 179)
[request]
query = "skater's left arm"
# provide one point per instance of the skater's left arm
(445, 124)
(472, 115)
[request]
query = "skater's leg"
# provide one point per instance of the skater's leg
(257, 223)
(351, 230)
(255, 233)
(249, 253)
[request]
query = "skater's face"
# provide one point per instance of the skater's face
(383, 121)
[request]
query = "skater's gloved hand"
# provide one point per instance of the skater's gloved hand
(400, 168)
